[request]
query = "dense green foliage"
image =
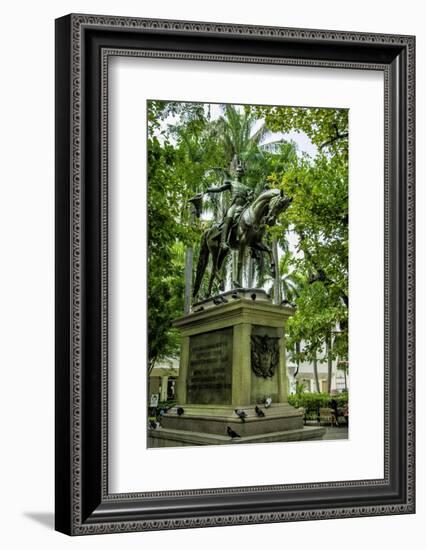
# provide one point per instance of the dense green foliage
(319, 217)
(312, 402)
(190, 150)
(168, 235)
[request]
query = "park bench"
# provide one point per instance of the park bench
(327, 416)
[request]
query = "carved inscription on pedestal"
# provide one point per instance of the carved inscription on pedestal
(210, 368)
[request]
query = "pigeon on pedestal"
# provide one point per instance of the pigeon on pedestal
(268, 402)
(231, 433)
(241, 414)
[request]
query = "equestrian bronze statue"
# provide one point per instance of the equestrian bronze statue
(242, 227)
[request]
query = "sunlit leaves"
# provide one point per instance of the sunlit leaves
(189, 151)
(319, 217)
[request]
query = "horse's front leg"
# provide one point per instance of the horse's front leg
(215, 257)
(211, 281)
(219, 268)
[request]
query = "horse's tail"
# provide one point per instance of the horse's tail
(203, 258)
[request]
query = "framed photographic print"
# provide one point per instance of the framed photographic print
(234, 274)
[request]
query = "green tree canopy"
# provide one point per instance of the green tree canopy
(189, 150)
(319, 217)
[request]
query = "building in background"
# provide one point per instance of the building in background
(304, 374)
(162, 379)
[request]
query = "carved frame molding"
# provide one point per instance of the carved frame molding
(83, 504)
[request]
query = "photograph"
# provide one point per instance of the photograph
(247, 283)
(235, 272)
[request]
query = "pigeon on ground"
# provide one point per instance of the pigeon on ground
(231, 433)
(241, 414)
(268, 402)
(180, 411)
(259, 411)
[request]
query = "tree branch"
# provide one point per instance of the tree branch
(336, 137)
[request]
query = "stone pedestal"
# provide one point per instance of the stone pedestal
(232, 357)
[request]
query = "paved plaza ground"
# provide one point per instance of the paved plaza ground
(336, 433)
(333, 432)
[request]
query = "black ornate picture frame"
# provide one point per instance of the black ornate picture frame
(84, 44)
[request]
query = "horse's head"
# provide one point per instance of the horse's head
(278, 203)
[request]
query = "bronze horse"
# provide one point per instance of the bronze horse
(247, 231)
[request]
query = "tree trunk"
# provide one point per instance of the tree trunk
(296, 372)
(189, 255)
(277, 280)
(189, 259)
(316, 379)
(329, 364)
(151, 365)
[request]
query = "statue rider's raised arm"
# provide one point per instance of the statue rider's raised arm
(241, 195)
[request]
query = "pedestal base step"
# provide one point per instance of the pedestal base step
(166, 437)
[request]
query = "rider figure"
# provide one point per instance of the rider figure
(241, 196)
